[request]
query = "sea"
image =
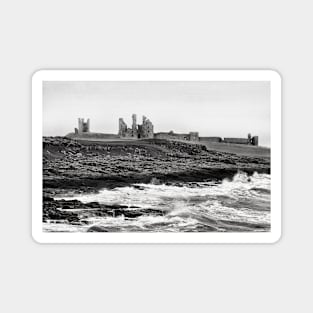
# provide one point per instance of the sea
(240, 204)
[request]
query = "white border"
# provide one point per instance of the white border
(156, 75)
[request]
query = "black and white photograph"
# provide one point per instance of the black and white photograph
(156, 156)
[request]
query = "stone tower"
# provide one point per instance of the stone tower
(134, 125)
(147, 128)
(83, 127)
(255, 140)
(122, 128)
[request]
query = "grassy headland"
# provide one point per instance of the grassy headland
(82, 165)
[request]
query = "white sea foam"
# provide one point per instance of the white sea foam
(242, 204)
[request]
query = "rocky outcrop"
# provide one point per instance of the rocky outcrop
(85, 166)
(76, 212)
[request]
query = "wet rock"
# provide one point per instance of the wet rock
(138, 187)
(127, 213)
(45, 198)
(93, 205)
(96, 229)
(116, 206)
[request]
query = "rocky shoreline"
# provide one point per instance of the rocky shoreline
(69, 165)
(74, 167)
(75, 212)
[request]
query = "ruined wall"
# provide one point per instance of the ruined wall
(83, 127)
(145, 130)
(134, 126)
(194, 136)
(129, 133)
(171, 135)
(255, 140)
(122, 128)
(244, 141)
(211, 139)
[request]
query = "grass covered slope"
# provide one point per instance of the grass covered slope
(89, 165)
(247, 150)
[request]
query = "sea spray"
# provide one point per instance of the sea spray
(239, 204)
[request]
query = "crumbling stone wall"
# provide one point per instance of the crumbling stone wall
(237, 140)
(134, 126)
(145, 130)
(83, 127)
(192, 136)
(122, 128)
(211, 139)
(171, 135)
(246, 141)
(255, 140)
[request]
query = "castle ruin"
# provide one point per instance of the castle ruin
(145, 130)
(192, 136)
(83, 127)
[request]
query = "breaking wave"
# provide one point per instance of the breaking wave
(240, 204)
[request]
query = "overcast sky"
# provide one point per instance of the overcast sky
(225, 109)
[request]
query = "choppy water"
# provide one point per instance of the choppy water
(240, 204)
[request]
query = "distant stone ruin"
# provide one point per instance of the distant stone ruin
(83, 127)
(192, 136)
(145, 130)
(246, 141)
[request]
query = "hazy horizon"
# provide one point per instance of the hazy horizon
(223, 109)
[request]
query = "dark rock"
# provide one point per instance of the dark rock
(96, 229)
(135, 213)
(93, 205)
(45, 198)
(116, 206)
